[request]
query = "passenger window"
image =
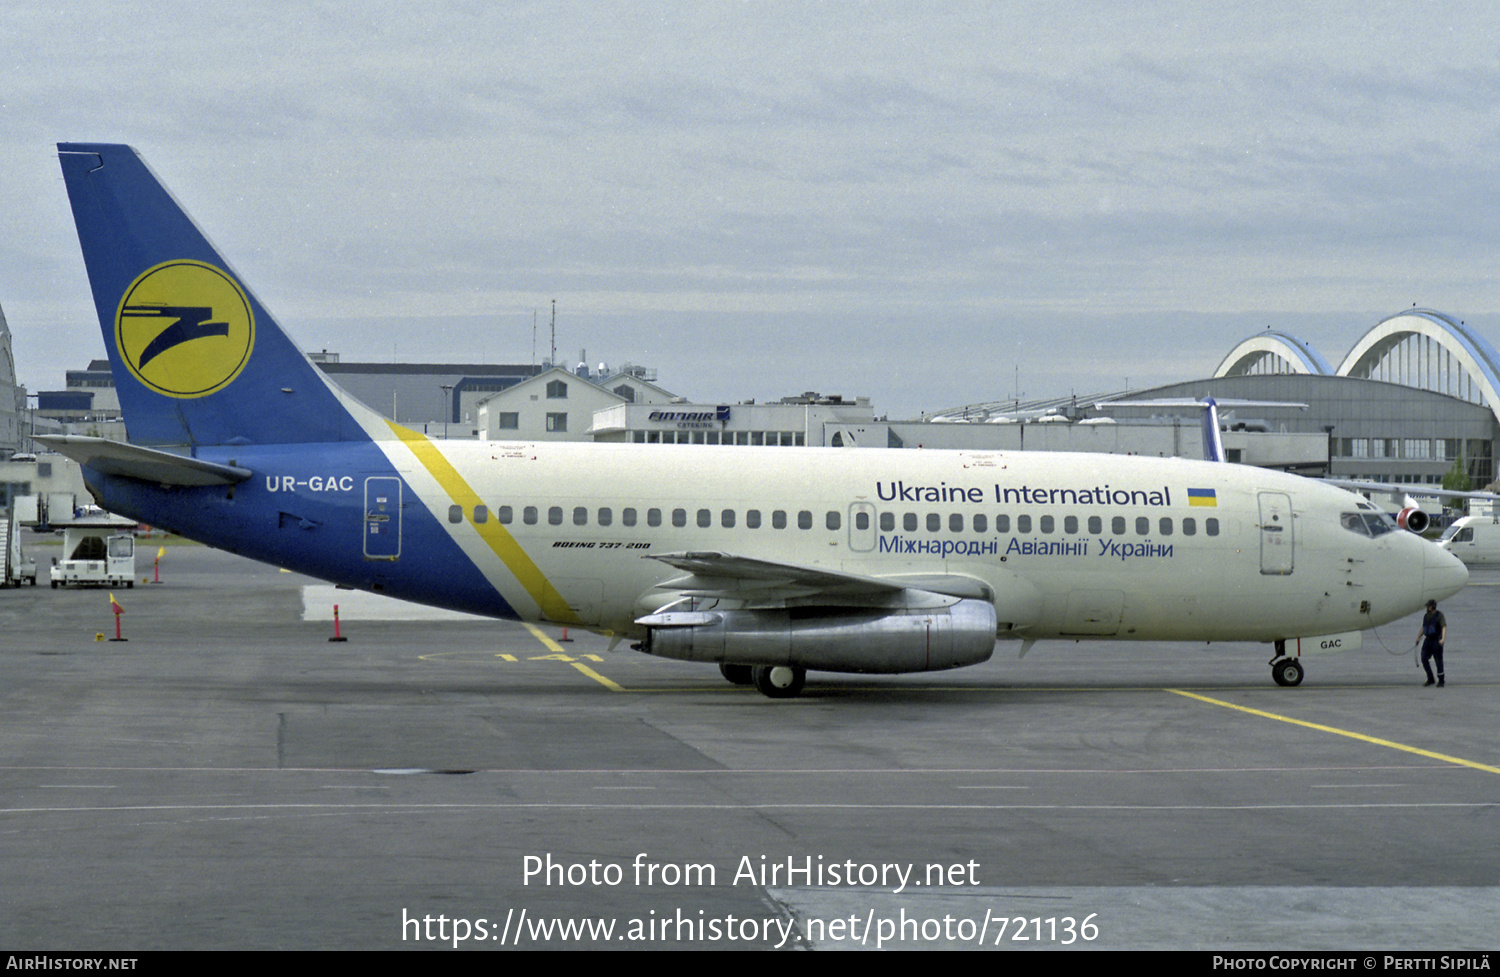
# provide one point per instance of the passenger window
(580, 516)
(528, 515)
(627, 517)
(778, 518)
(505, 514)
(1002, 524)
(455, 513)
(887, 521)
(653, 517)
(554, 515)
(606, 517)
(1117, 525)
(981, 523)
(1096, 525)
(1165, 526)
(909, 522)
(934, 522)
(861, 520)
(1142, 526)
(832, 520)
(1070, 524)
(705, 518)
(1211, 527)
(1047, 524)
(752, 519)
(481, 515)
(804, 519)
(679, 518)
(956, 522)
(1023, 524)
(1189, 527)
(726, 518)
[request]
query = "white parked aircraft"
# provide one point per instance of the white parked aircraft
(767, 561)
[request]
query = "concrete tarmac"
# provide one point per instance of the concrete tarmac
(228, 778)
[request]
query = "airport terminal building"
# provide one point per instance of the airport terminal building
(1417, 393)
(1414, 396)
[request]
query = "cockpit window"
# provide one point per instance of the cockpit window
(1369, 523)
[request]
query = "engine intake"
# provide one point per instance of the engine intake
(1413, 520)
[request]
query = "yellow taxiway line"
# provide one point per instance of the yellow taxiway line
(1340, 732)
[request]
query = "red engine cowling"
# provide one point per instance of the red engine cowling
(1413, 520)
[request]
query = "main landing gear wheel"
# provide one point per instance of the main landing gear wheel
(1287, 671)
(737, 674)
(779, 681)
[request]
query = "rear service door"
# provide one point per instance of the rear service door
(382, 518)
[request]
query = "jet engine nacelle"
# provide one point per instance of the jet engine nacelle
(1413, 520)
(830, 639)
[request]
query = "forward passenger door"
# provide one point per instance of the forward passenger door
(1276, 534)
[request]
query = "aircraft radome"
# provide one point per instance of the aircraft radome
(766, 561)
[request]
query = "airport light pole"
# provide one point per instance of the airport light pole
(33, 404)
(447, 407)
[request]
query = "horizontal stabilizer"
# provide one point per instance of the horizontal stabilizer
(1213, 443)
(146, 464)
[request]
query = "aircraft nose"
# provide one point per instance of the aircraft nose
(1443, 574)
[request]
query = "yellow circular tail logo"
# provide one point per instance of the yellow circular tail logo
(185, 329)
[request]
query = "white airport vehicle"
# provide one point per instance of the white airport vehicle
(768, 562)
(15, 567)
(1473, 539)
(98, 551)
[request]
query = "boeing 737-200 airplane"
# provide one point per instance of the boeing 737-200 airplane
(767, 561)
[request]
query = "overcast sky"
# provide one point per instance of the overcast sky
(922, 203)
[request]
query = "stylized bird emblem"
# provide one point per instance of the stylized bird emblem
(192, 323)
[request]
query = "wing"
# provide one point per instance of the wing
(752, 583)
(1396, 491)
(732, 577)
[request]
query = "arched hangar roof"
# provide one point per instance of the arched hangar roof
(1422, 348)
(1251, 352)
(1417, 348)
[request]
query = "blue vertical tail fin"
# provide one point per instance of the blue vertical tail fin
(197, 360)
(1213, 442)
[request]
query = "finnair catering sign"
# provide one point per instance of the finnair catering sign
(691, 418)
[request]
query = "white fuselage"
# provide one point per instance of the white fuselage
(1068, 545)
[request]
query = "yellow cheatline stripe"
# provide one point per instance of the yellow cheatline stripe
(1341, 732)
(553, 606)
(553, 646)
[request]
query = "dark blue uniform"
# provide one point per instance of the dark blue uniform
(1434, 626)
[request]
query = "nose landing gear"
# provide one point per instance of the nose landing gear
(1285, 671)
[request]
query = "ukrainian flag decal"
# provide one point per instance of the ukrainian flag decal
(1202, 496)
